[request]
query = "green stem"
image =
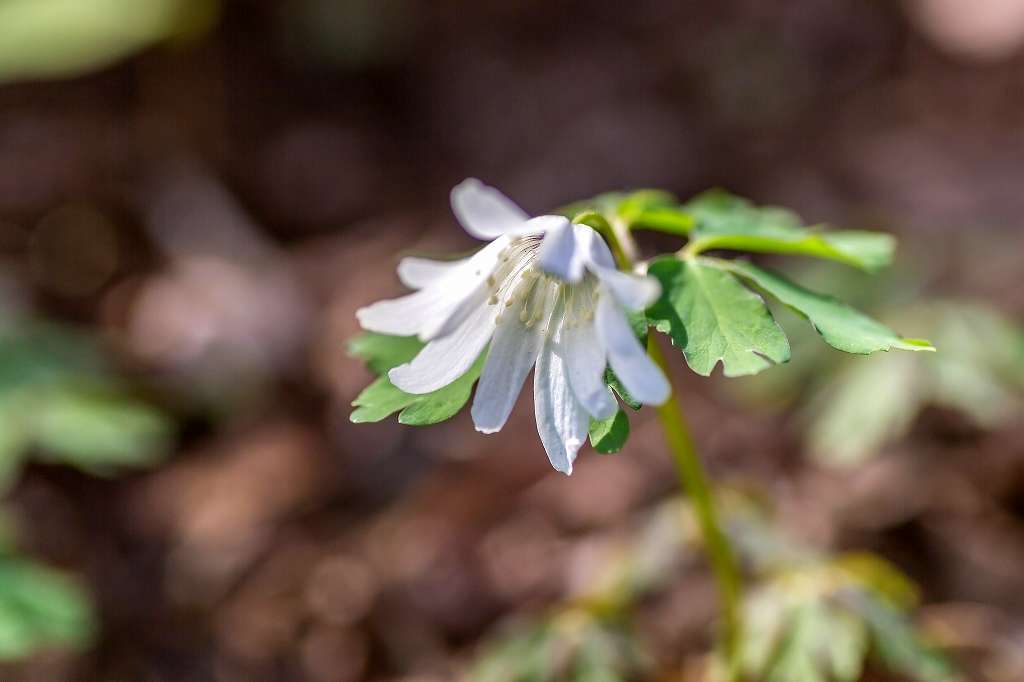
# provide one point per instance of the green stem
(695, 482)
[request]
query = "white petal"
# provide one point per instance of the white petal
(561, 421)
(585, 362)
(407, 315)
(637, 372)
(441, 306)
(634, 292)
(417, 273)
(513, 352)
(559, 253)
(483, 211)
(445, 359)
(539, 225)
(467, 285)
(446, 324)
(598, 253)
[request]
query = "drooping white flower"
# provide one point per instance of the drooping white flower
(544, 292)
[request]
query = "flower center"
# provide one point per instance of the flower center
(522, 289)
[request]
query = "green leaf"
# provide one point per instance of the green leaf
(712, 318)
(382, 399)
(378, 401)
(381, 352)
(725, 221)
(841, 326)
(720, 212)
(443, 403)
(39, 607)
(608, 436)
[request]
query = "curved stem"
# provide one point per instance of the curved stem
(695, 483)
(694, 480)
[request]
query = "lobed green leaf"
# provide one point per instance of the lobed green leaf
(381, 399)
(381, 352)
(378, 401)
(443, 403)
(717, 211)
(841, 326)
(713, 318)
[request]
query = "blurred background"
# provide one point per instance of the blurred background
(196, 195)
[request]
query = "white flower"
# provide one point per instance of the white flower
(543, 292)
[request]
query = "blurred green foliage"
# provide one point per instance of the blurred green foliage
(60, 402)
(820, 621)
(811, 616)
(42, 39)
(572, 645)
(814, 616)
(40, 608)
(852, 409)
(979, 372)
